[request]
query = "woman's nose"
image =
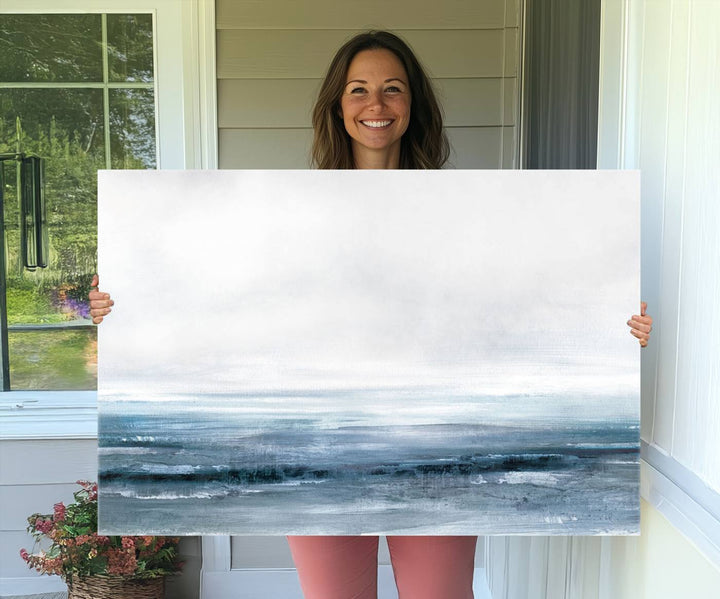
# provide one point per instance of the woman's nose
(376, 100)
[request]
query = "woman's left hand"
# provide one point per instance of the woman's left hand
(641, 325)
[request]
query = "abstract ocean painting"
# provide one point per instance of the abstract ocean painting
(369, 352)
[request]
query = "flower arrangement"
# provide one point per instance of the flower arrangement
(78, 552)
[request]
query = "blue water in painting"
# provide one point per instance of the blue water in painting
(293, 463)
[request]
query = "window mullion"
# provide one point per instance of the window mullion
(106, 91)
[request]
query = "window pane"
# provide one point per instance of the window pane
(65, 127)
(132, 128)
(50, 48)
(53, 360)
(51, 118)
(130, 47)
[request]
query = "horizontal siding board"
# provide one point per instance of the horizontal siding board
(265, 148)
(369, 14)
(471, 147)
(475, 147)
(266, 103)
(19, 501)
(40, 462)
(260, 54)
(276, 103)
(471, 102)
(11, 564)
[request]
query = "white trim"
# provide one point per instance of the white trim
(48, 415)
(611, 84)
(216, 554)
(694, 508)
(521, 111)
(201, 86)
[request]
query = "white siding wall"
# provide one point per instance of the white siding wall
(660, 88)
(272, 56)
(669, 128)
(676, 133)
(34, 475)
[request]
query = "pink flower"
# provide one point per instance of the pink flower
(44, 526)
(59, 509)
(121, 562)
(24, 554)
(128, 543)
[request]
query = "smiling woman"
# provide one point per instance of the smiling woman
(375, 78)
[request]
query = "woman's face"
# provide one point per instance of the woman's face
(375, 103)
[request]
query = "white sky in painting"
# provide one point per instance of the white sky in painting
(490, 280)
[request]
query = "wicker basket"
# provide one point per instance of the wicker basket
(116, 587)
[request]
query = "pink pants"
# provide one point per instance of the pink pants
(346, 567)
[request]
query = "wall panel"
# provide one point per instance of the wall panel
(697, 413)
(652, 117)
(265, 148)
(306, 53)
(271, 58)
(331, 14)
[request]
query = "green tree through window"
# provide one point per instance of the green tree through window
(81, 89)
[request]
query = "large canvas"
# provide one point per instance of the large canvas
(351, 352)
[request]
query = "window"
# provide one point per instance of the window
(186, 126)
(77, 90)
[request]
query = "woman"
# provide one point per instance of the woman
(376, 110)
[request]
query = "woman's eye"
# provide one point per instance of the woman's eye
(357, 90)
(393, 89)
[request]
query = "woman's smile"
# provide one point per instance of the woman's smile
(376, 124)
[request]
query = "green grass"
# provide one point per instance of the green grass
(53, 360)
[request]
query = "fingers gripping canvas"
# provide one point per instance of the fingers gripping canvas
(350, 352)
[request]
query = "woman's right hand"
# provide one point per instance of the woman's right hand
(100, 303)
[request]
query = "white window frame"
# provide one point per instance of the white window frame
(186, 129)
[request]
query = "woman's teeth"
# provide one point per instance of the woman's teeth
(376, 124)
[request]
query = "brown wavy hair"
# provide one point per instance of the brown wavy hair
(424, 144)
